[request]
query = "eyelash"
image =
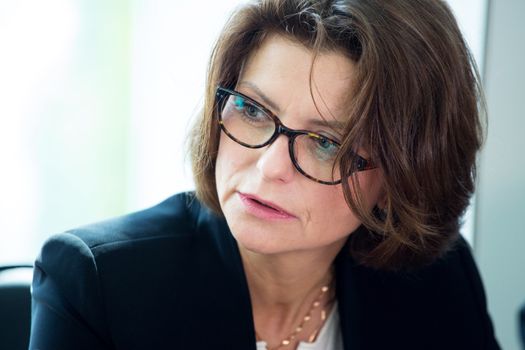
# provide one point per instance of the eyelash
(327, 135)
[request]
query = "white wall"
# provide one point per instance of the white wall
(500, 229)
(471, 17)
(64, 107)
(171, 45)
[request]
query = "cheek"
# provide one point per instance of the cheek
(232, 160)
(370, 184)
(329, 208)
(223, 166)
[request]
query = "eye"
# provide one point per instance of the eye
(251, 110)
(361, 163)
(323, 148)
(248, 110)
(324, 143)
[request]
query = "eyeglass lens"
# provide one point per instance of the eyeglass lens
(251, 126)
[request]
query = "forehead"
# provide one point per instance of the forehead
(291, 75)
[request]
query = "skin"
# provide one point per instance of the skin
(287, 261)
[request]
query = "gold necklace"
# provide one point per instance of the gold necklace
(316, 303)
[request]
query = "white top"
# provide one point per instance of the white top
(329, 338)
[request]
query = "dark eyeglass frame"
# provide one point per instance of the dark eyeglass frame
(362, 164)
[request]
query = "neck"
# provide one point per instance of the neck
(284, 286)
(285, 279)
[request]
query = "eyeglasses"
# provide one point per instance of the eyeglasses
(252, 125)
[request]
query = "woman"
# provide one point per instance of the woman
(333, 160)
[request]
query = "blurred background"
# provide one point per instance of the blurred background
(96, 98)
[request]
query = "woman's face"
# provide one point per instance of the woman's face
(306, 215)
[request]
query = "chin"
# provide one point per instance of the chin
(259, 240)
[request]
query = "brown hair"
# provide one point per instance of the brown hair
(416, 108)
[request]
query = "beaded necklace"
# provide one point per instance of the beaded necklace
(315, 304)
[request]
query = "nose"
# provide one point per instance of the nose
(274, 163)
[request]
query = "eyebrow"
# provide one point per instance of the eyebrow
(332, 124)
(336, 125)
(259, 93)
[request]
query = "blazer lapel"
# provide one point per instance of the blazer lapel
(233, 325)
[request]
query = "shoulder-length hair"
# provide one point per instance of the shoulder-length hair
(415, 107)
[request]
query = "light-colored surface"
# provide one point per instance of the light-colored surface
(64, 110)
(170, 50)
(18, 275)
(471, 17)
(96, 99)
(500, 231)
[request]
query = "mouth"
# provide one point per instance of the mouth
(262, 208)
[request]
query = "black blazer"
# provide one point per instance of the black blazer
(171, 277)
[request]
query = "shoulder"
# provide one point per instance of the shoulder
(455, 266)
(443, 303)
(180, 218)
(178, 234)
(140, 238)
(111, 276)
(175, 216)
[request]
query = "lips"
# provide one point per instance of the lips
(264, 209)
